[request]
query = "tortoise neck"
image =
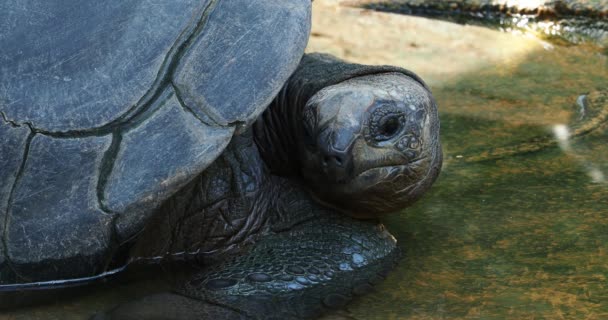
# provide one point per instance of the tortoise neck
(275, 133)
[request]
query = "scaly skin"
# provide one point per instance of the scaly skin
(297, 259)
(278, 243)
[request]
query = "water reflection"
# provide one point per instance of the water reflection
(597, 175)
(563, 135)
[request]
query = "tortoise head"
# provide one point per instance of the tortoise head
(370, 144)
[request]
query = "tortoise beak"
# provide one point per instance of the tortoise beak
(337, 167)
(335, 155)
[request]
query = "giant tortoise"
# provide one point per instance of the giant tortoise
(145, 130)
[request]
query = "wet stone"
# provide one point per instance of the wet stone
(259, 277)
(216, 284)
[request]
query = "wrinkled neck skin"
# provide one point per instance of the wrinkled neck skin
(266, 182)
(230, 206)
(296, 138)
(275, 134)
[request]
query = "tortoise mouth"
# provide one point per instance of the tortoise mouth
(371, 173)
(368, 176)
(374, 191)
(390, 170)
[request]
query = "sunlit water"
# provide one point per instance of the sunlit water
(520, 237)
(516, 227)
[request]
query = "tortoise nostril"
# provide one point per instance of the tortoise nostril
(337, 166)
(333, 161)
(338, 160)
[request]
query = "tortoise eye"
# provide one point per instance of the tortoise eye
(385, 123)
(389, 126)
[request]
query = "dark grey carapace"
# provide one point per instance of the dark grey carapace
(139, 130)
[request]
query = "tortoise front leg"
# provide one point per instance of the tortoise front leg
(298, 273)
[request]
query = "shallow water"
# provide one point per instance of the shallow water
(520, 237)
(516, 227)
